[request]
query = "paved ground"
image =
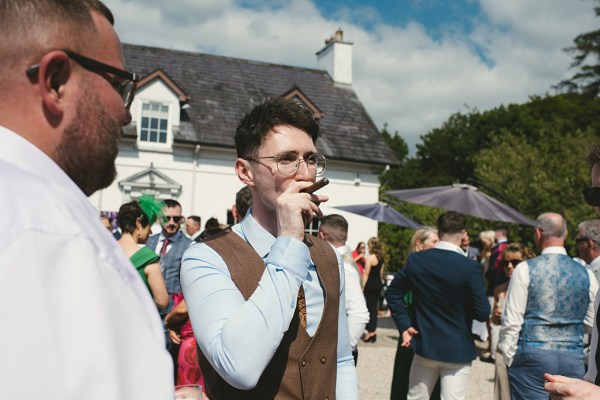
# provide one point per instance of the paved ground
(376, 364)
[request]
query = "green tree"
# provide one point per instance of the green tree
(544, 175)
(532, 153)
(586, 60)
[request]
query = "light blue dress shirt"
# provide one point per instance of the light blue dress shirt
(240, 337)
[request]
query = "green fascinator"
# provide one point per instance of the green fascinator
(151, 207)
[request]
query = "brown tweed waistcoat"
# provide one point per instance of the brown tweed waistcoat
(302, 367)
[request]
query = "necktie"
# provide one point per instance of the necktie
(302, 307)
(163, 249)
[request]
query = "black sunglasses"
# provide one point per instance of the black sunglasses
(166, 219)
(125, 87)
(504, 263)
(592, 195)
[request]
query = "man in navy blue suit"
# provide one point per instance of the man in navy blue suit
(447, 294)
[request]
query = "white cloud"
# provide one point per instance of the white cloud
(401, 73)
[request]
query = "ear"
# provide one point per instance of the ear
(244, 172)
(320, 235)
(54, 72)
(538, 234)
(138, 223)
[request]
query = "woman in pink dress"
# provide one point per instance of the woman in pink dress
(180, 332)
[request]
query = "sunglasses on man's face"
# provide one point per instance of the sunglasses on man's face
(592, 195)
(165, 219)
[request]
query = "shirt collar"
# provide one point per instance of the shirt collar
(449, 246)
(257, 236)
(20, 152)
(554, 250)
(172, 239)
(16, 149)
(343, 249)
(595, 262)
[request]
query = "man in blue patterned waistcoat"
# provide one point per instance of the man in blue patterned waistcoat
(562, 387)
(549, 299)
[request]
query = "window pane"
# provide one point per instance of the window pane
(154, 122)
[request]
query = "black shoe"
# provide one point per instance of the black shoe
(370, 338)
(488, 359)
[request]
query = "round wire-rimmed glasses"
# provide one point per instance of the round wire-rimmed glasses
(288, 163)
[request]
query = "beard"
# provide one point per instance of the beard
(89, 146)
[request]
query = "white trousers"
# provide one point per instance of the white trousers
(454, 379)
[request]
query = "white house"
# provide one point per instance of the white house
(180, 144)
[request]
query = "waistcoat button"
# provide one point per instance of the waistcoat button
(303, 363)
(323, 359)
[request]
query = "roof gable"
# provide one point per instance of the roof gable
(296, 93)
(150, 181)
(159, 74)
(221, 90)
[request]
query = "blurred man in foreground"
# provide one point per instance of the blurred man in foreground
(82, 323)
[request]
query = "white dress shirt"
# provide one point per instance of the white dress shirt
(516, 305)
(240, 337)
(356, 306)
(78, 320)
(595, 267)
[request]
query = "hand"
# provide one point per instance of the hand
(295, 210)
(407, 336)
(175, 338)
(561, 387)
(498, 312)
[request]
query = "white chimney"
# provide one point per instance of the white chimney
(336, 58)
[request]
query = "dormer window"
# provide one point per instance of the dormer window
(154, 123)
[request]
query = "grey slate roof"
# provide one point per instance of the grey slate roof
(223, 89)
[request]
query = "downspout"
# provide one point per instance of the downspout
(194, 172)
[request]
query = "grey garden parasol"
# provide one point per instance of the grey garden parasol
(381, 212)
(465, 199)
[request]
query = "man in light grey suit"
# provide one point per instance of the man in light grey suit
(170, 244)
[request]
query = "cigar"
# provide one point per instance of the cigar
(315, 186)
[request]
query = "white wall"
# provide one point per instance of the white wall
(216, 184)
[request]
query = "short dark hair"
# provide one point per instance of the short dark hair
(195, 218)
(212, 223)
(339, 225)
(594, 155)
(208, 233)
(32, 26)
(260, 121)
(451, 222)
(243, 201)
(170, 203)
(128, 214)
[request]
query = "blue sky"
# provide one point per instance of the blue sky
(435, 15)
(415, 62)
